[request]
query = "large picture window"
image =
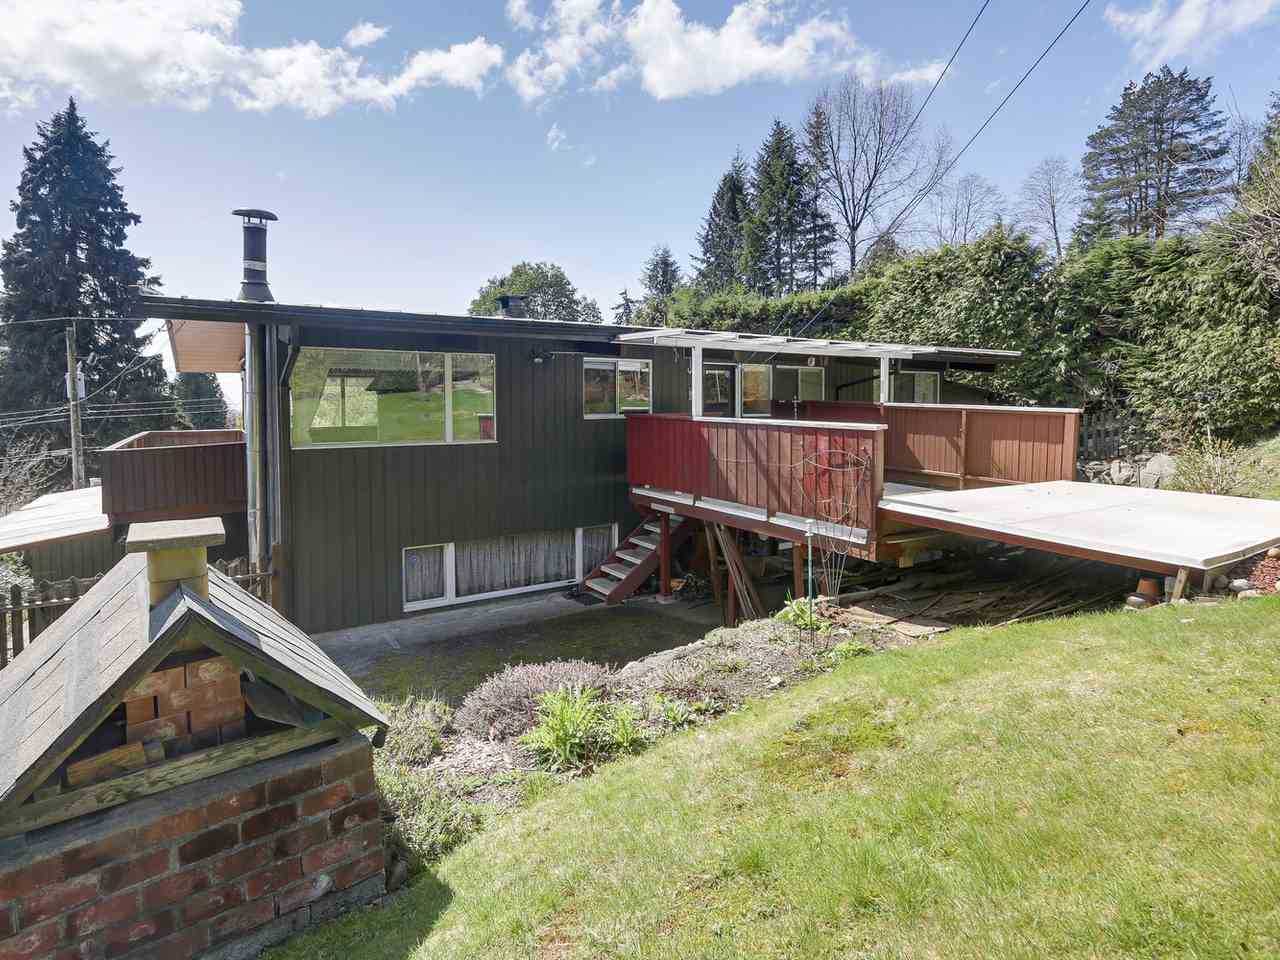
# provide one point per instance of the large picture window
(357, 397)
(611, 388)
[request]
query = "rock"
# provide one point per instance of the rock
(397, 874)
(1273, 553)
(1121, 473)
(1248, 594)
(1136, 602)
(1158, 471)
(1220, 582)
(1238, 586)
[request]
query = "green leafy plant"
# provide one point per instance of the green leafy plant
(801, 613)
(624, 729)
(848, 650)
(568, 733)
(1215, 466)
(672, 713)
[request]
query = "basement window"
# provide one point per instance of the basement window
(613, 388)
(442, 574)
(342, 397)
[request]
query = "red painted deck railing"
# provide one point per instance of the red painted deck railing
(952, 445)
(172, 474)
(813, 470)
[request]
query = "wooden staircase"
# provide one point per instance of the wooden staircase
(636, 558)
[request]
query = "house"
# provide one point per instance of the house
(399, 461)
(181, 769)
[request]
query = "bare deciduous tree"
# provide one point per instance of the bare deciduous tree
(1049, 200)
(1254, 226)
(26, 470)
(963, 211)
(873, 165)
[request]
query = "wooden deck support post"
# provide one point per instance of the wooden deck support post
(1180, 584)
(713, 566)
(664, 559)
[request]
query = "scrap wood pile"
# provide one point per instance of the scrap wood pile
(1004, 587)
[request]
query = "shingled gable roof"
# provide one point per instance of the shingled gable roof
(77, 671)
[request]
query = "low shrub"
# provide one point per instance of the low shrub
(1216, 466)
(417, 722)
(848, 650)
(428, 822)
(506, 705)
(625, 730)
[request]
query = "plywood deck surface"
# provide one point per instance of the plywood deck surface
(55, 516)
(1168, 527)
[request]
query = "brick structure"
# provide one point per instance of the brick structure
(220, 868)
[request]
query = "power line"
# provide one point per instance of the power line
(911, 126)
(994, 113)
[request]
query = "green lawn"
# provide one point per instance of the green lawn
(1102, 786)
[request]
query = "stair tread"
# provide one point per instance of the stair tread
(619, 570)
(634, 556)
(656, 527)
(602, 585)
(650, 542)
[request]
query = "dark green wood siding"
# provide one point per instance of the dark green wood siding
(351, 512)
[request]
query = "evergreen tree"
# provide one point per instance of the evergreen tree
(771, 245)
(815, 250)
(1094, 223)
(719, 258)
(661, 275)
(200, 400)
(551, 295)
(68, 257)
(624, 311)
(1160, 158)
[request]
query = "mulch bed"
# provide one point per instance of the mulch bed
(1262, 571)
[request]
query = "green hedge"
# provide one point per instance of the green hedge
(1177, 331)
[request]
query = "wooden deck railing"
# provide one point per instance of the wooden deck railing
(818, 471)
(171, 474)
(957, 446)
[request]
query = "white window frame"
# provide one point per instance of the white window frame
(450, 575)
(617, 364)
(742, 368)
(448, 406)
(937, 379)
(451, 598)
(821, 371)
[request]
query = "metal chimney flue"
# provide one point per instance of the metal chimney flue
(514, 305)
(254, 285)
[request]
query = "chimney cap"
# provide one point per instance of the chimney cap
(252, 213)
(175, 535)
(514, 305)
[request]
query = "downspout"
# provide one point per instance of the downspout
(254, 486)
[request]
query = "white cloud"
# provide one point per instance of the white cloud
(610, 81)
(589, 160)
(993, 86)
(556, 138)
(925, 74)
(575, 33)
(363, 34)
(1191, 28)
(677, 57)
(185, 53)
(520, 15)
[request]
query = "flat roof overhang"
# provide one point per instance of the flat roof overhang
(811, 347)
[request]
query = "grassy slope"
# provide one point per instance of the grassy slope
(1094, 787)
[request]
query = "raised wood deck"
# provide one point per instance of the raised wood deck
(174, 474)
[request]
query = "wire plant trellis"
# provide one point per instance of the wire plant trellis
(833, 481)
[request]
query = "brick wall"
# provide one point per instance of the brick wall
(221, 867)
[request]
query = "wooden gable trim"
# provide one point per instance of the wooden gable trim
(221, 641)
(200, 765)
(84, 721)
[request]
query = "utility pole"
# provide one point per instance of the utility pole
(73, 400)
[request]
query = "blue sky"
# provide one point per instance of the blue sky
(434, 145)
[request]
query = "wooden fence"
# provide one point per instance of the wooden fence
(25, 614)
